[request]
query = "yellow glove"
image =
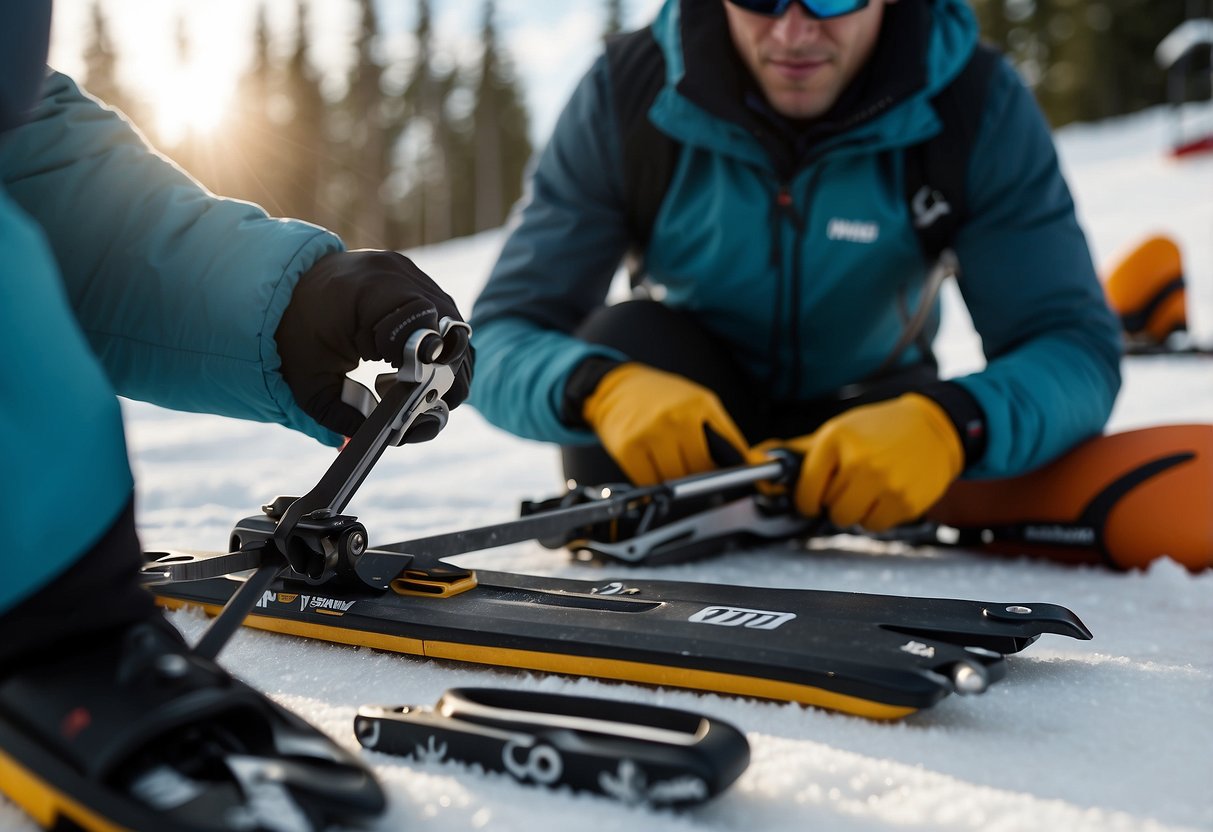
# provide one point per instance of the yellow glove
(653, 423)
(878, 465)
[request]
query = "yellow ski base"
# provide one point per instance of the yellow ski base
(44, 803)
(620, 670)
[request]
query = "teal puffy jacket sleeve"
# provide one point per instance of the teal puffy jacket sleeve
(1051, 343)
(66, 476)
(553, 271)
(178, 292)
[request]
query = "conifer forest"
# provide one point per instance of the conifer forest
(414, 145)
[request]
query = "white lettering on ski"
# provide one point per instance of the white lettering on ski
(741, 617)
(1073, 536)
(917, 648)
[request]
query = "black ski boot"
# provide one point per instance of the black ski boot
(134, 731)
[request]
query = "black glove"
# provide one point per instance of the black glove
(358, 305)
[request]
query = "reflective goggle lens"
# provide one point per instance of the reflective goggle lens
(820, 9)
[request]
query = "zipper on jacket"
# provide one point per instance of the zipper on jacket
(776, 222)
(785, 207)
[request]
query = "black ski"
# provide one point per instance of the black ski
(877, 656)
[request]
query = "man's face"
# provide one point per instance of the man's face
(803, 64)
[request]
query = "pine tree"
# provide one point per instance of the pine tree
(101, 69)
(501, 143)
(1134, 29)
(304, 138)
(367, 140)
(614, 17)
(185, 149)
(486, 132)
(252, 165)
(1084, 59)
(430, 141)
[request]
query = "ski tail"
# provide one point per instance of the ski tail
(1124, 499)
(1146, 289)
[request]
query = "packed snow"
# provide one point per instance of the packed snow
(1110, 734)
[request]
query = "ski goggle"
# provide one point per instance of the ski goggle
(820, 9)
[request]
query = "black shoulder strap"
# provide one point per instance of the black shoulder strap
(637, 71)
(936, 171)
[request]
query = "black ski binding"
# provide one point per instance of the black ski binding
(695, 517)
(308, 539)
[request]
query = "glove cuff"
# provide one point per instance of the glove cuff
(581, 384)
(966, 415)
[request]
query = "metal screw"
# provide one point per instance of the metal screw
(968, 680)
(172, 665)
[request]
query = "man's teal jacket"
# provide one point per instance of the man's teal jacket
(722, 252)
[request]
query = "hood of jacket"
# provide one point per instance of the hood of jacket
(710, 99)
(24, 38)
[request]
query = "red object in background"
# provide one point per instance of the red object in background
(1193, 148)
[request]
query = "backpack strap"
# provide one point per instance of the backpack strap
(936, 170)
(637, 73)
(935, 181)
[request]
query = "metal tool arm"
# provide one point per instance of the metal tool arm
(310, 537)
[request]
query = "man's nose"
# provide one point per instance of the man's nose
(796, 25)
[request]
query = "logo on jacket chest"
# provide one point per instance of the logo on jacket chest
(853, 231)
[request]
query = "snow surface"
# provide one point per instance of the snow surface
(1111, 734)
